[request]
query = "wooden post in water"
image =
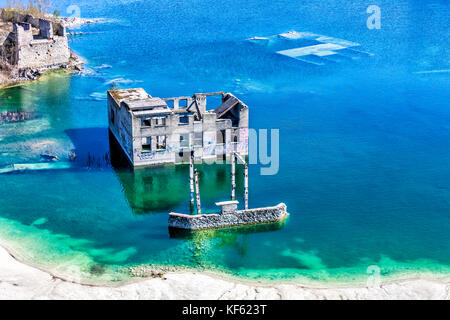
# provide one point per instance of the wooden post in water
(197, 191)
(233, 176)
(246, 185)
(191, 177)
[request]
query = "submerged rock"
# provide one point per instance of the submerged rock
(144, 271)
(16, 116)
(97, 270)
(39, 222)
(49, 157)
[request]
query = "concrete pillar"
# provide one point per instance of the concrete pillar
(233, 176)
(246, 186)
(201, 102)
(197, 191)
(191, 177)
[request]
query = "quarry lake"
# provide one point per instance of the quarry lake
(364, 142)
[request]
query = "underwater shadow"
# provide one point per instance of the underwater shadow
(91, 147)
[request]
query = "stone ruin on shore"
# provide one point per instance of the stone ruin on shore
(33, 45)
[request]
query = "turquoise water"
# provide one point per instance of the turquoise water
(364, 143)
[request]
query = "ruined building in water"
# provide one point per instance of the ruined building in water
(153, 131)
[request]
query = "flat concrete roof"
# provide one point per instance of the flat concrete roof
(139, 100)
(146, 104)
(120, 95)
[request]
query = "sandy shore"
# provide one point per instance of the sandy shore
(20, 281)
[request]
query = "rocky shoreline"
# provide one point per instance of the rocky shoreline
(16, 116)
(18, 77)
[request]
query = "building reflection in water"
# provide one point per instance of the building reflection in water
(162, 189)
(204, 242)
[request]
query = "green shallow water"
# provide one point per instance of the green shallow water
(364, 147)
(78, 259)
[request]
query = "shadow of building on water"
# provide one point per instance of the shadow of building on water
(155, 189)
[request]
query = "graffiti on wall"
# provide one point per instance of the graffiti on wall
(210, 148)
(209, 143)
(156, 155)
(242, 146)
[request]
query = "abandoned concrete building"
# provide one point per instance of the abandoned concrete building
(153, 131)
(48, 49)
(36, 44)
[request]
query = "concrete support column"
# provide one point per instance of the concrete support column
(233, 176)
(191, 177)
(197, 191)
(246, 186)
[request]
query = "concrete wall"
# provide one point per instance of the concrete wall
(208, 127)
(38, 52)
(23, 34)
(172, 131)
(120, 127)
(45, 29)
(43, 53)
(32, 20)
(240, 217)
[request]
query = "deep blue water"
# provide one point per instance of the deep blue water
(364, 143)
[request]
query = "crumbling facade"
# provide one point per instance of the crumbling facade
(155, 131)
(47, 49)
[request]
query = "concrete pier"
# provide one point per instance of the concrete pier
(228, 217)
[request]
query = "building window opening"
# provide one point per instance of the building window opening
(170, 103)
(160, 122)
(182, 103)
(161, 143)
(147, 144)
(146, 122)
(183, 120)
(184, 140)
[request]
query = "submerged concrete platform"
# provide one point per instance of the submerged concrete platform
(228, 217)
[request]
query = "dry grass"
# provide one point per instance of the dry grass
(33, 7)
(14, 14)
